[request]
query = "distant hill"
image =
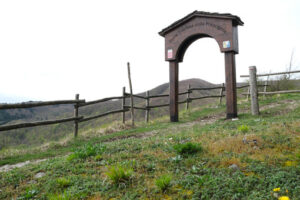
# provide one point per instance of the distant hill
(43, 134)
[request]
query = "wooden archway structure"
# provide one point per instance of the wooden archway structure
(182, 33)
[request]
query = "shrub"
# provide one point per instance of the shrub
(187, 148)
(243, 128)
(163, 182)
(63, 182)
(118, 174)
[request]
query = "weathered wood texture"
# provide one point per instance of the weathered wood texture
(38, 123)
(103, 114)
(76, 116)
(147, 105)
(188, 97)
(131, 95)
(123, 104)
(38, 104)
(173, 99)
(230, 77)
(272, 74)
(100, 101)
(253, 91)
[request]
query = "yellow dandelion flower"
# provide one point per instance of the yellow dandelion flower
(284, 198)
(276, 189)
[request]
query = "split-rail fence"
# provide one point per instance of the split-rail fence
(78, 103)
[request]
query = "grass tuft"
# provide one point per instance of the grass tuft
(164, 182)
(187, 148)
(119, 174)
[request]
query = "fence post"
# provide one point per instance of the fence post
(221, 93)
(147, 109)
(131, 94)
(123, 104)
(253, 90)
(76, 106)
(188, 97)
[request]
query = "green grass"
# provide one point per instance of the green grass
(123, 165)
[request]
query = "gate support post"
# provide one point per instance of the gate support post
(173, 98)
(230, 77)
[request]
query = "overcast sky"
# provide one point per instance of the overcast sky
(54, 49)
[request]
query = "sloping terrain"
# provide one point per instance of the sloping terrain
(203, 156)
(39, 135)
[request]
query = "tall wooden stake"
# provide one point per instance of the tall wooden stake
(131, 94)
(76, 115)
(123, 104)
(148, 109)
(253, 91)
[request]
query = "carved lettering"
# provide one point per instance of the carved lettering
(199, 24)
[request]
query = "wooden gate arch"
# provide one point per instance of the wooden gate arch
(182, 33)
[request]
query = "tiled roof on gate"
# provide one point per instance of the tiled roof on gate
(236, 20)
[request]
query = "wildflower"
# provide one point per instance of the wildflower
(276, 189)
(284, 198)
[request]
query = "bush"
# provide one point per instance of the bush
(187, 148)
(163, 182)
(118, 174)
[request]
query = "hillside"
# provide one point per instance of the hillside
(203, 156)
(39, 135)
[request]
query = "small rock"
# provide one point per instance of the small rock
(245, 140)
(234, 167)
(32, 182)
(40, 175)
(255, 147)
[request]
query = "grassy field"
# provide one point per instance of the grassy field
(204, 156)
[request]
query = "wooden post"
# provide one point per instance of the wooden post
(123, 104)
(188, 97)
(173, 98)
(230, 77)
(221, 93)
(253, 91)
(76, 115)
(147, 105)
(131, 94)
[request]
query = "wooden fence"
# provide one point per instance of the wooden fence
(254, 93)
(79, 103)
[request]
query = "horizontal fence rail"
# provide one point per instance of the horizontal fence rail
(103, 114)
(39, 123)
(272, 74)
(38, 104)
(99, 101)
